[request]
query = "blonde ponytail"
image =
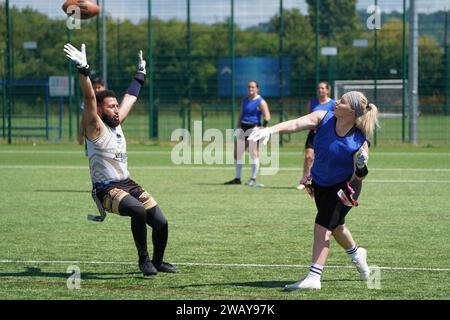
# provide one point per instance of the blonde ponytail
(369, 120)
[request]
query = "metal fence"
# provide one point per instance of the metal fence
(201, 53)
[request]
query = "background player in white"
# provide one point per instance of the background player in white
(113, 189)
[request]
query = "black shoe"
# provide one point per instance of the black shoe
(165, 267)
(234, 181)
(147, 268)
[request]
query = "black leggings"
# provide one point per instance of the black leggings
(140, 217)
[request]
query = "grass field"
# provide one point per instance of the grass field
(230, 242)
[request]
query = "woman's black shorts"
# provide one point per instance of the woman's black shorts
(310, 139)
(330, 210)
(248, 126)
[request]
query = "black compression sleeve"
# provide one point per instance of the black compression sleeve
(361, 172)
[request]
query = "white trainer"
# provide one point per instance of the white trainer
(360, 262)
(308, 283)
(251, 182)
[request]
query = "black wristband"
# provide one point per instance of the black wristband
(265, 123)
(361, 172)
(139, 76)
(85, 71)
(134, 88)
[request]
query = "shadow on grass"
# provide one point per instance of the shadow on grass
(210, 184)
(282, 188)
(37, 272)
(261, 284)
(258, 284)
(244, 185)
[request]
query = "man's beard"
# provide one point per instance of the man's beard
(110, 121)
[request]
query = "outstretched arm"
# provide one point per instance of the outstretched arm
(133, 90)
(80, 137)
(306, 122)
(90, 103)
(91, 120)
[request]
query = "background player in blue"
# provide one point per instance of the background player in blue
(253, 107)
(321, 102)
(341, 147)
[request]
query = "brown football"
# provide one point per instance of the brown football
(88, 8)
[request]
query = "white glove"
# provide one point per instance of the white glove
(258, 134)
(79, 57)
(361, 158)
(141, 64)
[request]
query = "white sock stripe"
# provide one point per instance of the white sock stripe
(314, 269)
(317, 266)
(319, 273)
(352, 250)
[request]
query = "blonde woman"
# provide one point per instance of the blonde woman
(341, 155)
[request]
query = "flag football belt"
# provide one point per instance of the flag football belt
(346, 196)
(102, 184)
(100, 208)
(98, 203)
(306, 181)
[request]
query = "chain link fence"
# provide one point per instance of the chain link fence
(201, 53)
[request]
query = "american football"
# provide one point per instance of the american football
(88, 9)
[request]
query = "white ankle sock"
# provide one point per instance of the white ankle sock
(238, 169)
(255, 168)
(352, 251)
(315, 271)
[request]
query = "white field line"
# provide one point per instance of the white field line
(287, 153)
(207, 264)
(198, 167)
(81, 152)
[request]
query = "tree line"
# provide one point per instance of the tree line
(175, 68)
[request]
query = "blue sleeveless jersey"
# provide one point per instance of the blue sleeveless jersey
(250, 111)
(315, 105)
(333, 161)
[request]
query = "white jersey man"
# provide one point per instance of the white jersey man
(113, 190)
